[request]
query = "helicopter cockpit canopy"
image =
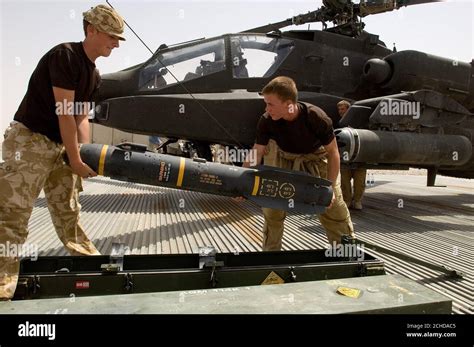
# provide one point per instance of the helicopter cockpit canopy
(185, 63)
(257, 56)
(252, 56)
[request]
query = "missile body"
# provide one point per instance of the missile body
(271, 187)
(384, 147)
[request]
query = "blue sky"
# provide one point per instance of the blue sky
(29, 29)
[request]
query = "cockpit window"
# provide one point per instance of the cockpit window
(258, 56)
(185, 63)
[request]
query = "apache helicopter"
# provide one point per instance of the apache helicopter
(408, 108)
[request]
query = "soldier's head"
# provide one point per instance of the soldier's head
(103, 27)
(281, 97)
(342, 107)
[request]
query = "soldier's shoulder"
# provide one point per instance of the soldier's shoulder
(68, 46)
(315, 110)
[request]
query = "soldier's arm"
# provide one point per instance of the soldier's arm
(83, 129)
(260, 149)
(68, 129)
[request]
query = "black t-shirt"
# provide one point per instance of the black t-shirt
(309, 131)
(65, 66)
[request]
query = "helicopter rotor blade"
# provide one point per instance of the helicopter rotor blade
(380, 6)
(401, 3)
(334, 10)
(270, 27)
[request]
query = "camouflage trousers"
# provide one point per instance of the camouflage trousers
(358, 175)
(32, 162)
(336, 220)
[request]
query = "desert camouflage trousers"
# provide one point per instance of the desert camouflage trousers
(358, 175)
(33, 162)
(336, 220)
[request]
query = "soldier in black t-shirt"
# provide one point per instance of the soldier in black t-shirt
(299, 136)
(50, 122)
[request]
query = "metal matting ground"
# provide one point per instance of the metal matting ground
(434, 224)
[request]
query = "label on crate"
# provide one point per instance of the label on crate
(82, 285)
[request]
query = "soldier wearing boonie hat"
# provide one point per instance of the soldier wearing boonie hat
(106, 20)
(44, 129)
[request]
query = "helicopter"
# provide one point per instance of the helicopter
(408, 108)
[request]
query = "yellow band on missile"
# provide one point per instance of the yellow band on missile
(182, 164)
(103, 152)
(255, 185)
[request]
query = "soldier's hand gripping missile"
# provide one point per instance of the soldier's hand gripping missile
(267, 186)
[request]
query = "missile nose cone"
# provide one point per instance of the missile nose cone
(326, 198)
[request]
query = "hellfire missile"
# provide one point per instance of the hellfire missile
(271, 187)
(404, 148)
